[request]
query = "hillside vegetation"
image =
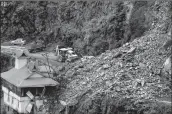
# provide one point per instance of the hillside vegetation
(126, 74)
(89, 27)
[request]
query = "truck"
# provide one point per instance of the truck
(66, 54)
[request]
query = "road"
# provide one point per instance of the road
(52, 59)
(10, 49)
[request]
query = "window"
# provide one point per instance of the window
(12, 100)
(8, 99)
(39, 91)
(33, 90)
(18, 103)
(36, 91)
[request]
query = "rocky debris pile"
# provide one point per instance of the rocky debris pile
(131, 72)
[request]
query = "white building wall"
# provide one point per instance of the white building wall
(14, 101)
(20, 62)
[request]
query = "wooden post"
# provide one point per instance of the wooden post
(67, 109)
(22, 90)
(34, 107)
(36, 91)
(57, 50)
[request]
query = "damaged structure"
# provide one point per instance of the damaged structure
(24, 85)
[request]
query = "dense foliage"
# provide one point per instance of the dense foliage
(89, 27)
(6, 62)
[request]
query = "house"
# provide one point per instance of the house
(24, 84)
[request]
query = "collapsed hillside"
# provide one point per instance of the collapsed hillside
(125, 80)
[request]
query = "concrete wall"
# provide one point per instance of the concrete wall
(20, 62)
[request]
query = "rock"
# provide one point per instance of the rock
(132, 50)
(98, 70)
(119, 64)
(129, 64)
(142, 83)
(126, 44)
(106, 66)
(108, 83)
(105, 58)
(117, 55)
(63, 102)
(167, 65)
(102, 74)
(45, 100)
(141, 65)
(72, 102)
(81, 66)
(124, 77)
(83, 83)
(69, 73)
(86, 70)
(167, 44)
(118, 89)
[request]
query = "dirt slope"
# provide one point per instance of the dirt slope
(129, 77)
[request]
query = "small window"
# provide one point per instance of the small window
(33, 90)
(24, 91)
(18, 103)
(39, 91)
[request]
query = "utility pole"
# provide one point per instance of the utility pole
(57, 50)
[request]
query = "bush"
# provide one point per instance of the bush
(6, 62)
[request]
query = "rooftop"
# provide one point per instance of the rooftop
(26, 77)
(23, 78)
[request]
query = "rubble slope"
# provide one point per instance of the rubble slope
(129, 77)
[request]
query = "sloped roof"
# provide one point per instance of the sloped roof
(38, 82)
(21, 53)
(23, 78)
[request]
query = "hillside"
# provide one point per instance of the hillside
(125, 78)
(90, 28)
(128, 77)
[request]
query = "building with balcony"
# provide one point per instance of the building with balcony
(24, 85)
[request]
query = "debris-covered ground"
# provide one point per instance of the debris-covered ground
(129, 79)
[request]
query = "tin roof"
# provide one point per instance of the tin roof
(23, 78)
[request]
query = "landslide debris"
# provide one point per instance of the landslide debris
(128, 79)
